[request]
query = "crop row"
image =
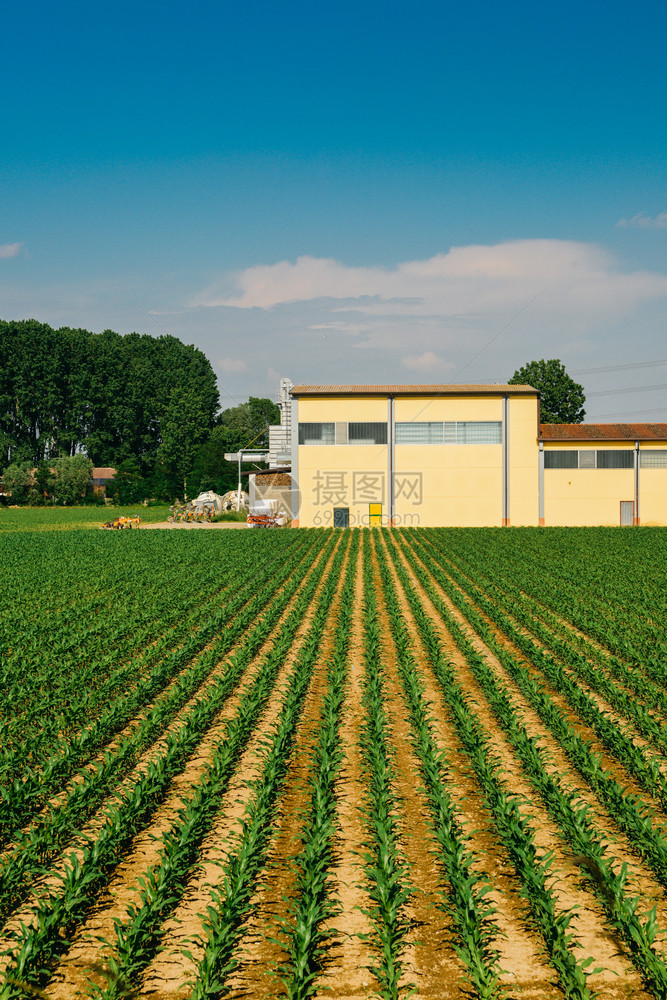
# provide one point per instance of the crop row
(571, 816)
(39, 944)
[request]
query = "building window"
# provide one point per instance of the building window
(615, 459)
(366, 433)
(450, 432)
(561, 459)
(420, 432)
(317, 433)
(589, 459)
(473, 432)
(653, 458)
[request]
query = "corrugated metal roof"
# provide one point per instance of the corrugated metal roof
(411, 390)
(603, 432)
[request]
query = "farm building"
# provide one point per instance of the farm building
(102, 478)
(464, 455)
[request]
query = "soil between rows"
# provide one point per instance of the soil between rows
(432, 965)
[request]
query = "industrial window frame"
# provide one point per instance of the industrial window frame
(478, 432)
(565, 459)
(590, 458)
(419, 432)
(366, 432)
(615, 458)
(326, 433)
(653, 458)
(449, 432)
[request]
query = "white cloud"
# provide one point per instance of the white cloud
(641, 221)
(463, 284)
(231, 365)
(428, 361)
(10, 250)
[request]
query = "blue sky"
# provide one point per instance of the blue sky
(348, 193)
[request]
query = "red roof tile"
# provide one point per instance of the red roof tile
(603, 432)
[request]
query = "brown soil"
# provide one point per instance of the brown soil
(430, 961)
(124, 887)
(193, 525)
(169, 969)
(594, 936)
(346, 974)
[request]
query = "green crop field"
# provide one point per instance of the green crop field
(71, 518)
(420, 762)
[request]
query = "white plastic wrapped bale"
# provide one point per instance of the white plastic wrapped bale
(208, 503)
(232, 500)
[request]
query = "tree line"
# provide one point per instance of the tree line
(146, 406)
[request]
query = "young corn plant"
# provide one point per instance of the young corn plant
(38, 947)
(574, 824)
(463, 890)
(138, 936)
(513, 830)
(304, 935)
(34, 849)
(629, 813)
(645, 769)
(386, 870)
(225, 919)
(28, 793)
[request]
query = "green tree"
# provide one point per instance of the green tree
(45, 480)
(561, 398)
(73, 477)
(236, 428)
(66, 391)
(18, 479)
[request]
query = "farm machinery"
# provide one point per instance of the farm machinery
(206, 506)
(120, 523)
(266, 514)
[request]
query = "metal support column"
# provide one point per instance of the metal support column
(540, 486)
(391, 461)
(296, 495)
(635, 516)
(506, 469)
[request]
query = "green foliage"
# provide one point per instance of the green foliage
(17, 479)
(239, 427)
(66, 391)
(73, 478)
(230, 515)
(45, 479)
(561, 398)
(121, 651)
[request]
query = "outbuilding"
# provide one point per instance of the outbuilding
(465, 455)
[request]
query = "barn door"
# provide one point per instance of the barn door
(627, 513)
(341, 517)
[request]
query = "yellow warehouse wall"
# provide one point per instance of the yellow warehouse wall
(653, 496)
(460, 485)
(523, 461)
(341, 476)
(448, 408)
(354, 408)
(586, 497)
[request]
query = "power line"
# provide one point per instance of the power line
(624, 413)
(635, 388)
(618, 368)
(604, 368)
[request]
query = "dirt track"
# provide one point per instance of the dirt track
(193, 525)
